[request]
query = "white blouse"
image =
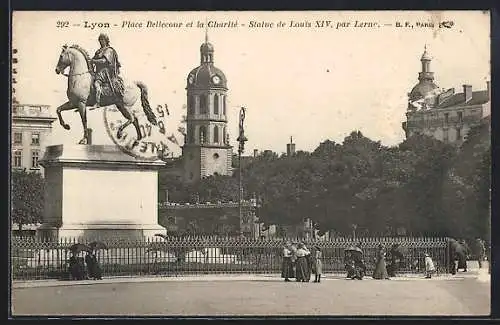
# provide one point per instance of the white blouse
(301, 252)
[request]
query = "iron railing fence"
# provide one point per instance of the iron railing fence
(33, 259)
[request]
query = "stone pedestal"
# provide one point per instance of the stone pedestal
(98, 191)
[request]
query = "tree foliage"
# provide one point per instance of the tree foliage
(27, 197)
(379, 189)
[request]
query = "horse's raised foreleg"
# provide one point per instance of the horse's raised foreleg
(82, 109)
(64, 107)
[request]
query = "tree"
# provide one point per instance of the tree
(27, 197)
(466, 190)
(381, 189)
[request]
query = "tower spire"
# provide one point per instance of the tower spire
(206, 49)
(206, 31)
(426, 59)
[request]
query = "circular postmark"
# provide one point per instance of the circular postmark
(142, 139)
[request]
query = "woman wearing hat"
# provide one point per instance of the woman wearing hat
(380, 272)
(318, 265)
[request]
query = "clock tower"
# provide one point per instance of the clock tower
(206, 149)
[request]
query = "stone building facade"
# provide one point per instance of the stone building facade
(446, 115)
(31, 127)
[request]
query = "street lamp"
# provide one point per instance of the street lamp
(354, 227)
(241, 148)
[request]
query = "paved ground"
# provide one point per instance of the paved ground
(463, 294)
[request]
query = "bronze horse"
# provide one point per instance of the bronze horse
(81, 93)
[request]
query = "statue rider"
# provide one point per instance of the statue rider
(107, 70)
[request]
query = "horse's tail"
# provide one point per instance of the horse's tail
(145, 103)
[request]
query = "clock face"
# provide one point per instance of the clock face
(216, 79)
(190, 79)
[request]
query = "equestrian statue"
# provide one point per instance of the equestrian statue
(96, 82)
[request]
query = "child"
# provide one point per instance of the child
(318, 265)
(429, 266)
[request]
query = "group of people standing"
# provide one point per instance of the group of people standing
(299, 263)
(84, 269)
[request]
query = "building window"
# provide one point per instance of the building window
(224, 105)
(18, 158)
(446, 118)
(224, 136)
(203, 134)
(216, 104)
(18, 138)
(216, 134)
(460, 117)
(203, 104)
(459, 134)
(34, 158)
(190, 134)
(191, 105)
(35, 139)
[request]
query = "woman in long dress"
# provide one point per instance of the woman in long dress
(301, 265)
(310, 263)
(380, 272)
(287, 268)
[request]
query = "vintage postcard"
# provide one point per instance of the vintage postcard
(226, 163)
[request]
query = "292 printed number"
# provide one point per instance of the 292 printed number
(62, 24)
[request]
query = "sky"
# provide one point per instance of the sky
(310, 83)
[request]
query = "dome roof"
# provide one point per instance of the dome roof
(206, 76)
(206, 47)
(422, 89)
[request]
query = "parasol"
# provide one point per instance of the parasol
(96, 245)
(355, 252)
(78, 248)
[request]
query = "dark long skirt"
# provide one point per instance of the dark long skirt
(462, 262)
(287, 268)
(309, 268)
(301, 269)
(93, 267)
(77, 268)
(380, 272)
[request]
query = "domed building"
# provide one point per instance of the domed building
(444, 115)
(425, 79)
(206, 150)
